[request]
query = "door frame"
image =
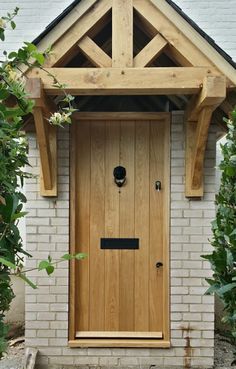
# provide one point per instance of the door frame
(135, 342)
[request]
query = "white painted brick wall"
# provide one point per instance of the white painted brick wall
(217, 18)
(32, 19)
(192, 313)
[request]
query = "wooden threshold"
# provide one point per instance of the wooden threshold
(155, 343)
(115, 334)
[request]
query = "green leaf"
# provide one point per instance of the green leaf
(211, 282)
(4, 276)
(46, 264)
(39, 57)
(8, 209)
(12, 55)
(230, 258)
(31, 47)
(67, 257)
(7, 263)
(3, 94)
(80, 256)
(43, 265)
(13, 25)
(18, 215)
(230, 171)
(27, 280)
(50, 269)
(2, 35)
(212, 289)
(228, 287)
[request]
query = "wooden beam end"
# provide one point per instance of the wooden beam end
(194, 194)
(33, 88)
(48, 193)
(213, 93)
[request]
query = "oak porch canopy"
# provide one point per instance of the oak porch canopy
(132, 47)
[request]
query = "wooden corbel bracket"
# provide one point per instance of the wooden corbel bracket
(46, 137)
(198, 119)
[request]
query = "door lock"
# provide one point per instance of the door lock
(159, 264)
(158, 186)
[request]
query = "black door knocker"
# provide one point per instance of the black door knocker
(119, 176)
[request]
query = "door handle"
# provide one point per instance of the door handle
(159, 264)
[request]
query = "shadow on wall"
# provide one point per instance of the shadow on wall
(16, 315)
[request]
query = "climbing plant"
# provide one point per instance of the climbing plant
(14, 106)
(223, 256)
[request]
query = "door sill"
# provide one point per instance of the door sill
(155, 343)
(118, 335)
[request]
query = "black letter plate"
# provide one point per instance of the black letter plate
(120, 243)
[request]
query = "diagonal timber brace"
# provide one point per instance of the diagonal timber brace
(46, 137)
(94, 53)
(198, 118)
(150, 52)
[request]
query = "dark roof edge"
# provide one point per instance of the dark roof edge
(55, 21)
(226, 56)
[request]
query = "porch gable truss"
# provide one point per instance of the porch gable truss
(199, 71)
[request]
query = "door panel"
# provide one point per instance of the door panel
(126, 227)
(82, 221)
(121, 293)
(157, 162)
(142, 201)
(112, 148)
(97, 199)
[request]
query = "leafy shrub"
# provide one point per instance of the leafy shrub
(223, 257)
(14, 105)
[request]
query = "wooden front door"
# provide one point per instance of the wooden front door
(119, 292)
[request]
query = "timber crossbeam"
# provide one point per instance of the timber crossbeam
(125, 81)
